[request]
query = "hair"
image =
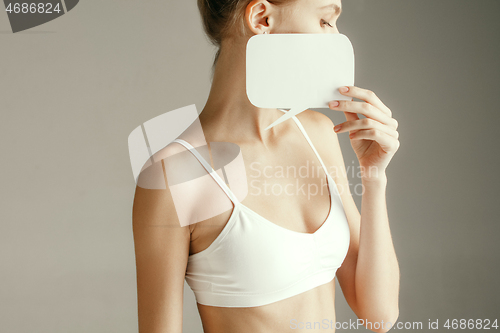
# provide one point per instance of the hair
(222, 17)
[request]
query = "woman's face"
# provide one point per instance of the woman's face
(306, 16)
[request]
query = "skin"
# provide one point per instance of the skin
(369, 275)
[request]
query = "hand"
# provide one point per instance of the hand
(374, 139)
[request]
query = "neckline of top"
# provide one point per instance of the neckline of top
(308, 234)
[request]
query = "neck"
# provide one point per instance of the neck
(228, 110)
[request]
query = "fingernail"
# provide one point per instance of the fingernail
(344, 89)
(334, 104)
(337, 128)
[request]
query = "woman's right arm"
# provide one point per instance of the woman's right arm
(161, 250)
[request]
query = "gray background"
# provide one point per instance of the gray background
(73, 89)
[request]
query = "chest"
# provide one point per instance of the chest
(286, 186)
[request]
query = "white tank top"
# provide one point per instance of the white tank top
(255, 262)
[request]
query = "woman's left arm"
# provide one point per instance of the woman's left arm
(373, 268)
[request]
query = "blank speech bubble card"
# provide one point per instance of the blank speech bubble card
(297, 71)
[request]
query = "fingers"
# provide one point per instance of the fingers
(378, 125)
(365, 109)
(372, 107)
(367, 96)
(364, 124)
(388, 143)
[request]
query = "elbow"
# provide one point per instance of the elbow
(390, 321)
(381, 323)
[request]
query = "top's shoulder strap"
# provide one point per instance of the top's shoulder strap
(209, 169)
(302, 129)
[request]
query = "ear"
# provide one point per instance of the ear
(258, 16)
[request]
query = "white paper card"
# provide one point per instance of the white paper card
(297, 71)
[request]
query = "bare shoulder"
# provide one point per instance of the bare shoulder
(154, 202)
(192, 195)
(315, 118)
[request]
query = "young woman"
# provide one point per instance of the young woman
(269, 263)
